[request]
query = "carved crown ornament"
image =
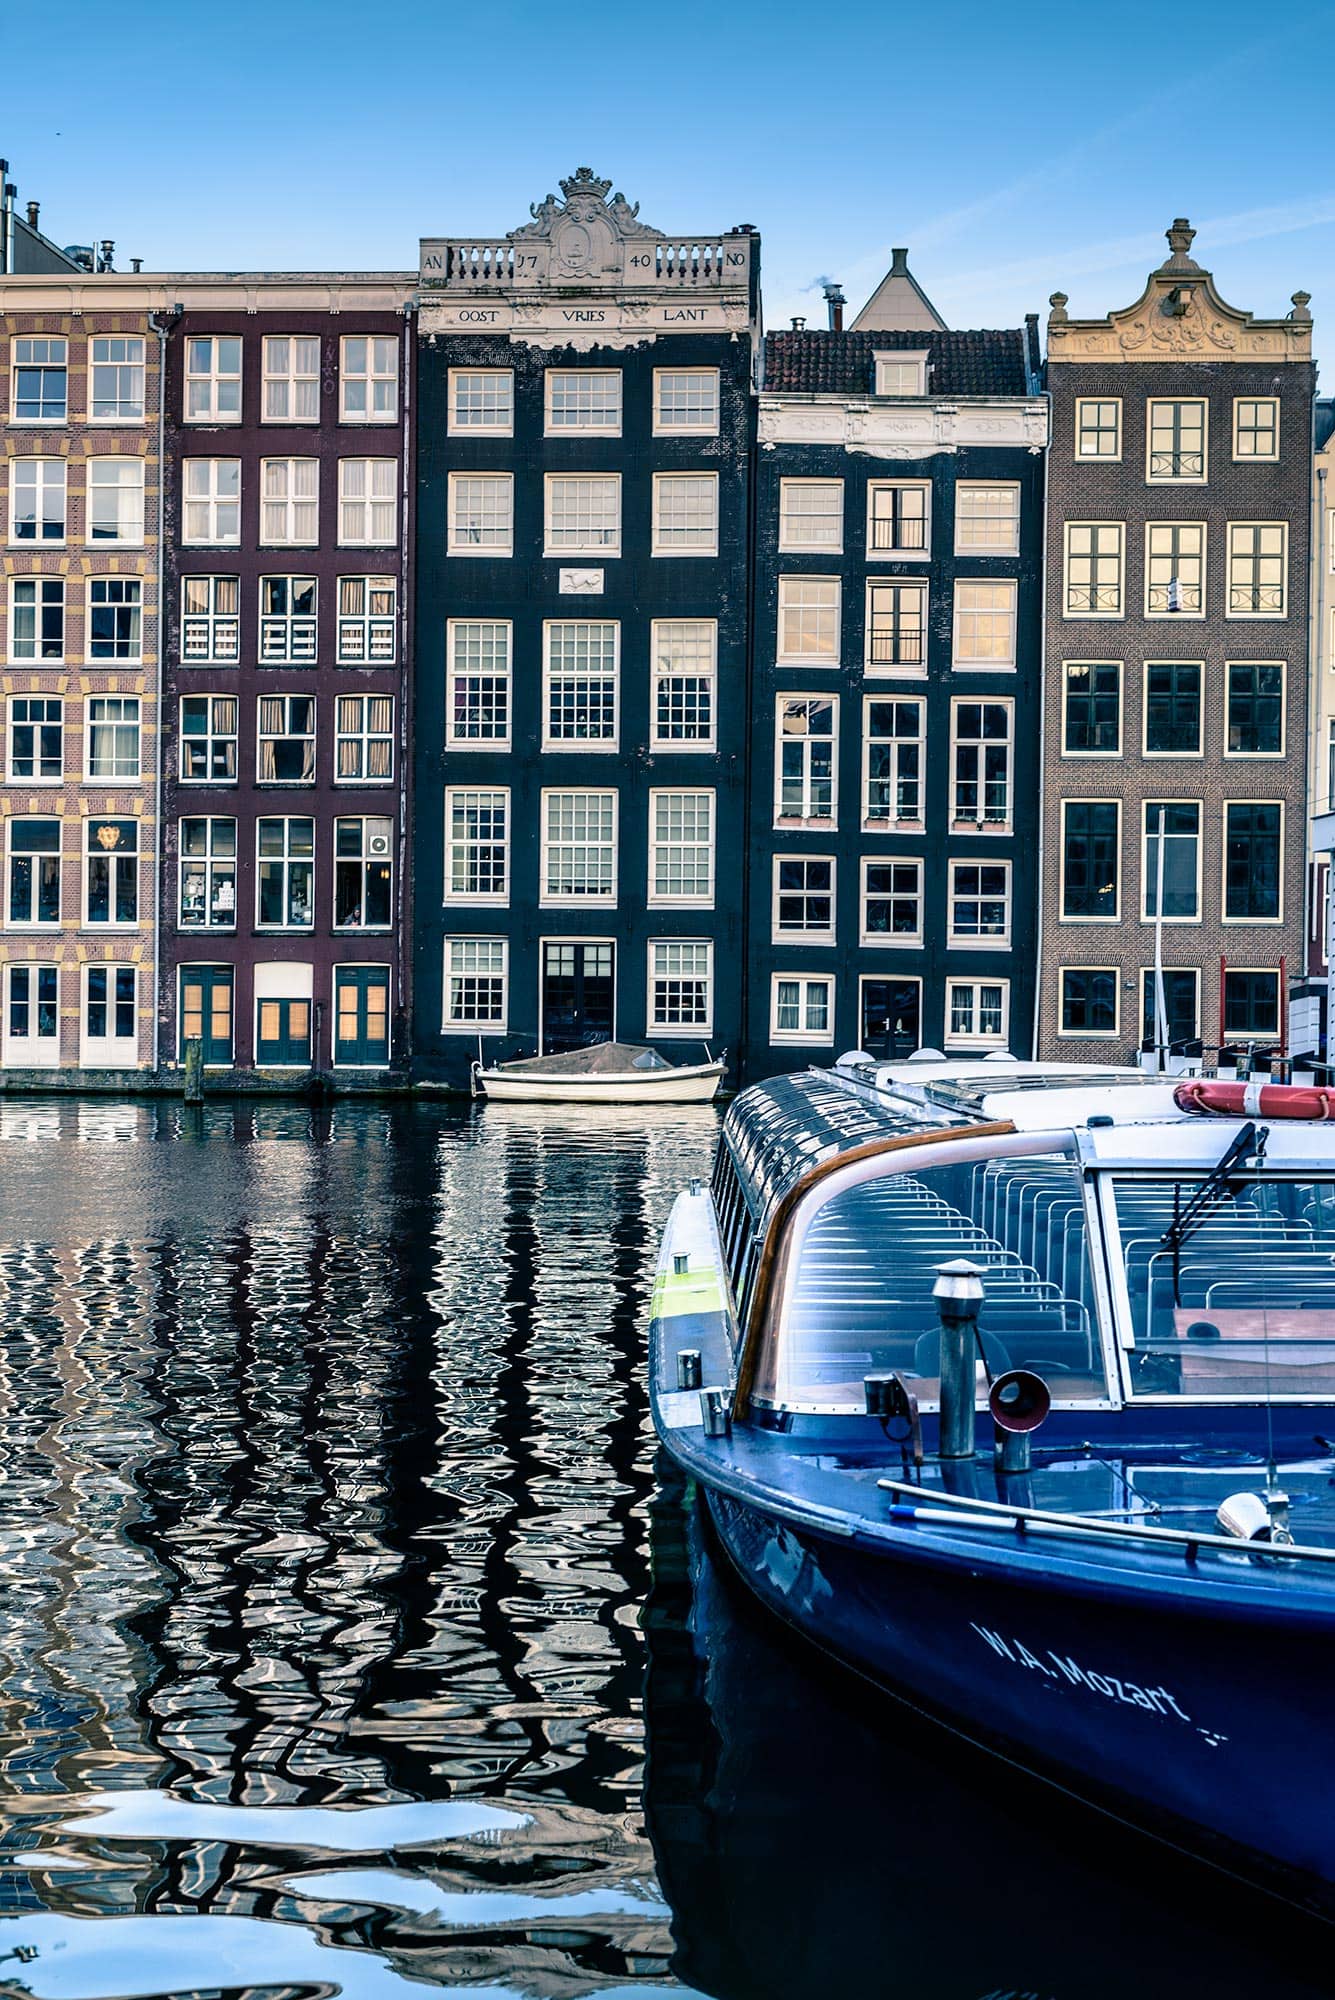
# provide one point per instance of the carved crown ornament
(1180, 316)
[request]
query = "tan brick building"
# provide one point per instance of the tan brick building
(79, 540)
(1176, 698)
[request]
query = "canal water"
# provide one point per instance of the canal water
(354, 1642)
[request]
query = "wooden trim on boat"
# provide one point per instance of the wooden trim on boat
(1001, 1128)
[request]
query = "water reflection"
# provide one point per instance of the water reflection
(326, 1452)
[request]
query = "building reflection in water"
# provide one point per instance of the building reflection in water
(327, 1456)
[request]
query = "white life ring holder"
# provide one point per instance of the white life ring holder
(1255, 1099)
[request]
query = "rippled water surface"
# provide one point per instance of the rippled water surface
(348, 1647)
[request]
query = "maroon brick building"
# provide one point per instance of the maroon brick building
(285, 776)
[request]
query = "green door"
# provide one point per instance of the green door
(206, 1011)
(284, 1037)
(361, 995)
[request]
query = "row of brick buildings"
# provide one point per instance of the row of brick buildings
(526, 649)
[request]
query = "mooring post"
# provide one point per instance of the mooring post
(194, 1070)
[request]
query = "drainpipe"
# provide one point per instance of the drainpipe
(407, 696)
(1040, 873)
(4, 246)
(1320, 670)
(161, 328)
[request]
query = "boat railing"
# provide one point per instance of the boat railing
(934, 1506)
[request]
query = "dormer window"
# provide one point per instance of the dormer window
(901, 374)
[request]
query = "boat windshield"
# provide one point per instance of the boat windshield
(857, 1299)
(1241, 1303)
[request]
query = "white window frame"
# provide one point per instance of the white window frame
(662, 675)
(213, 379)
(208, 861)
(954, 1039)
(677, 483)
(1083, 403)
(36, 776)
(881, 588)
(362, 735)
(807, 1037)
(1232, 554)
(211, 738)
(1095, 556)
(895, 822)
(11, 923)
(375, 849)
(1254, 402)
(556, 899)
(286, 506)
(286, 735)
(490, 798)
(894, 363)
(1260, 923)
(893, 552)
(1148, 875)
(366, 503)
(588, 421)
(210, 623)
(39, 585)
(1170, 972)
(1158, 756)
(1200, 478)
(288, 637)
(373, 375)
(979, 745)
(782, 702)
(1266, 1035)
(1121, 707)
(463, 536)
(1114, 916)
(970, 940)
(129, 503)
(1151, 557)
(1006, 540)
(287, 860)
(454, 629)
(133, 716)
(1259, 756)
(377, 630)
(601, 537)
(133, 586)
(792, 541)
(91, 852)
(476, 1024)
(819, 615)
(791, 936)
(51, 480)
(290, 377)
(705, 426)
(662, 843)
(968, 661)
(108, 1051)
(1090, 1034)
(33, 1050)
(658, 977)
(209, 477)
(499, 425)
(129, 408)
(51, 341)
(872, 940)
(555, 670)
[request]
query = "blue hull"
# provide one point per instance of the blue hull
(1212, 1731)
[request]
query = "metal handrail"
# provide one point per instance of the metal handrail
(1048, 1522)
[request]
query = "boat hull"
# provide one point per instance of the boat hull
(680, 1086)
(1212, 1731)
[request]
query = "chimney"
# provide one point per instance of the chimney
(835, 300)
(34, 210)
(899, 263)
(107, 248)
(799, 323)
(136, 265)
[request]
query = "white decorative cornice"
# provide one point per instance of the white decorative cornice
(210, 291)
(903, 430)
(1180, 317)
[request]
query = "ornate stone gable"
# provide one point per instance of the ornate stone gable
(1180, 317)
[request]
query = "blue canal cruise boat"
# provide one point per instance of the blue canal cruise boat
(1013, 1386)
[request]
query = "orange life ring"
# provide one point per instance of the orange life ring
(1257, 1099)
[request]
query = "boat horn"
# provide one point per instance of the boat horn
(1019, 1402)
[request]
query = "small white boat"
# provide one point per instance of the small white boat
(607, 1073)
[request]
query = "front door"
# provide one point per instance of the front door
(32, 1016)
(578, 995)
(891, 1017)
(206, 1011)
(283, 1033)
(361, 1012)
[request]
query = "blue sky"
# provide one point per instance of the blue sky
(1015, 149)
